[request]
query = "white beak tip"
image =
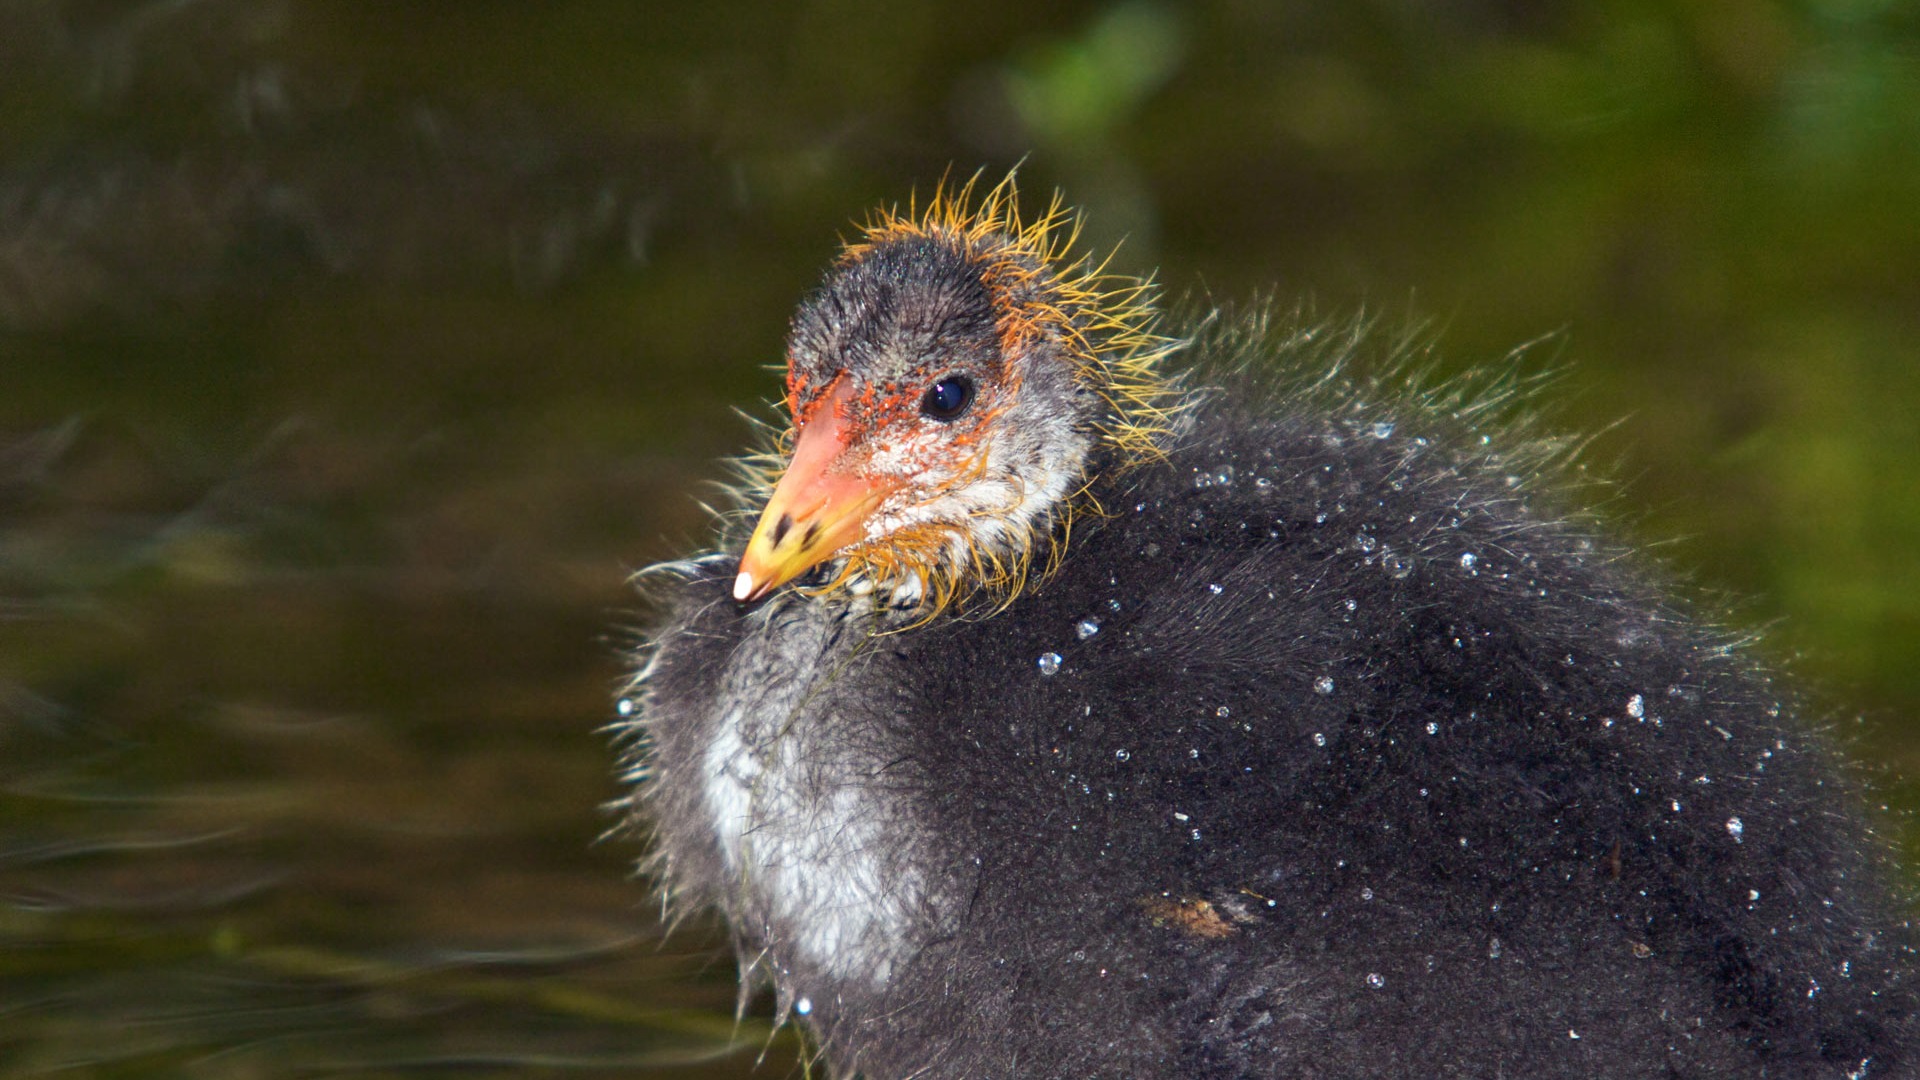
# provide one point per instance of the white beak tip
(743, 586)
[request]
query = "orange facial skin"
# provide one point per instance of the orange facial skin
(832, 488)
(821, 504)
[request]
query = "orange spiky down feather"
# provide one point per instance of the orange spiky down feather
(1044, 287)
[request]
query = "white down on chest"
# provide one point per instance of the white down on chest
(801, 815)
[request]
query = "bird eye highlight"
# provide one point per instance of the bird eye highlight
(948, 398)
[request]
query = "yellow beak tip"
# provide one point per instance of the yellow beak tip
(743, 589)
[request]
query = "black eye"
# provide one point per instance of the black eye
(948, 398)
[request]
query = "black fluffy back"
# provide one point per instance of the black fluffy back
(1327, 753)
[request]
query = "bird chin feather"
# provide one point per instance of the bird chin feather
(976, 541)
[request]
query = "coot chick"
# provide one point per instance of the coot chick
(1060, 717)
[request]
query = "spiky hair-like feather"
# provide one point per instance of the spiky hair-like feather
(1044, 285)
(1044, 288)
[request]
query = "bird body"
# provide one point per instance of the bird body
(1318, 746)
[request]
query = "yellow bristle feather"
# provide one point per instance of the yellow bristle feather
(1108, 326)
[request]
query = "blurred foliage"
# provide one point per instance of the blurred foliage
(352, 351)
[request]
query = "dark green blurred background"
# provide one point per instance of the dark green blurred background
(351, 353)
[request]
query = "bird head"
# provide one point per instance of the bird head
(949, 384)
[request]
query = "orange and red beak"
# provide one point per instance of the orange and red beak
(819, 506)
